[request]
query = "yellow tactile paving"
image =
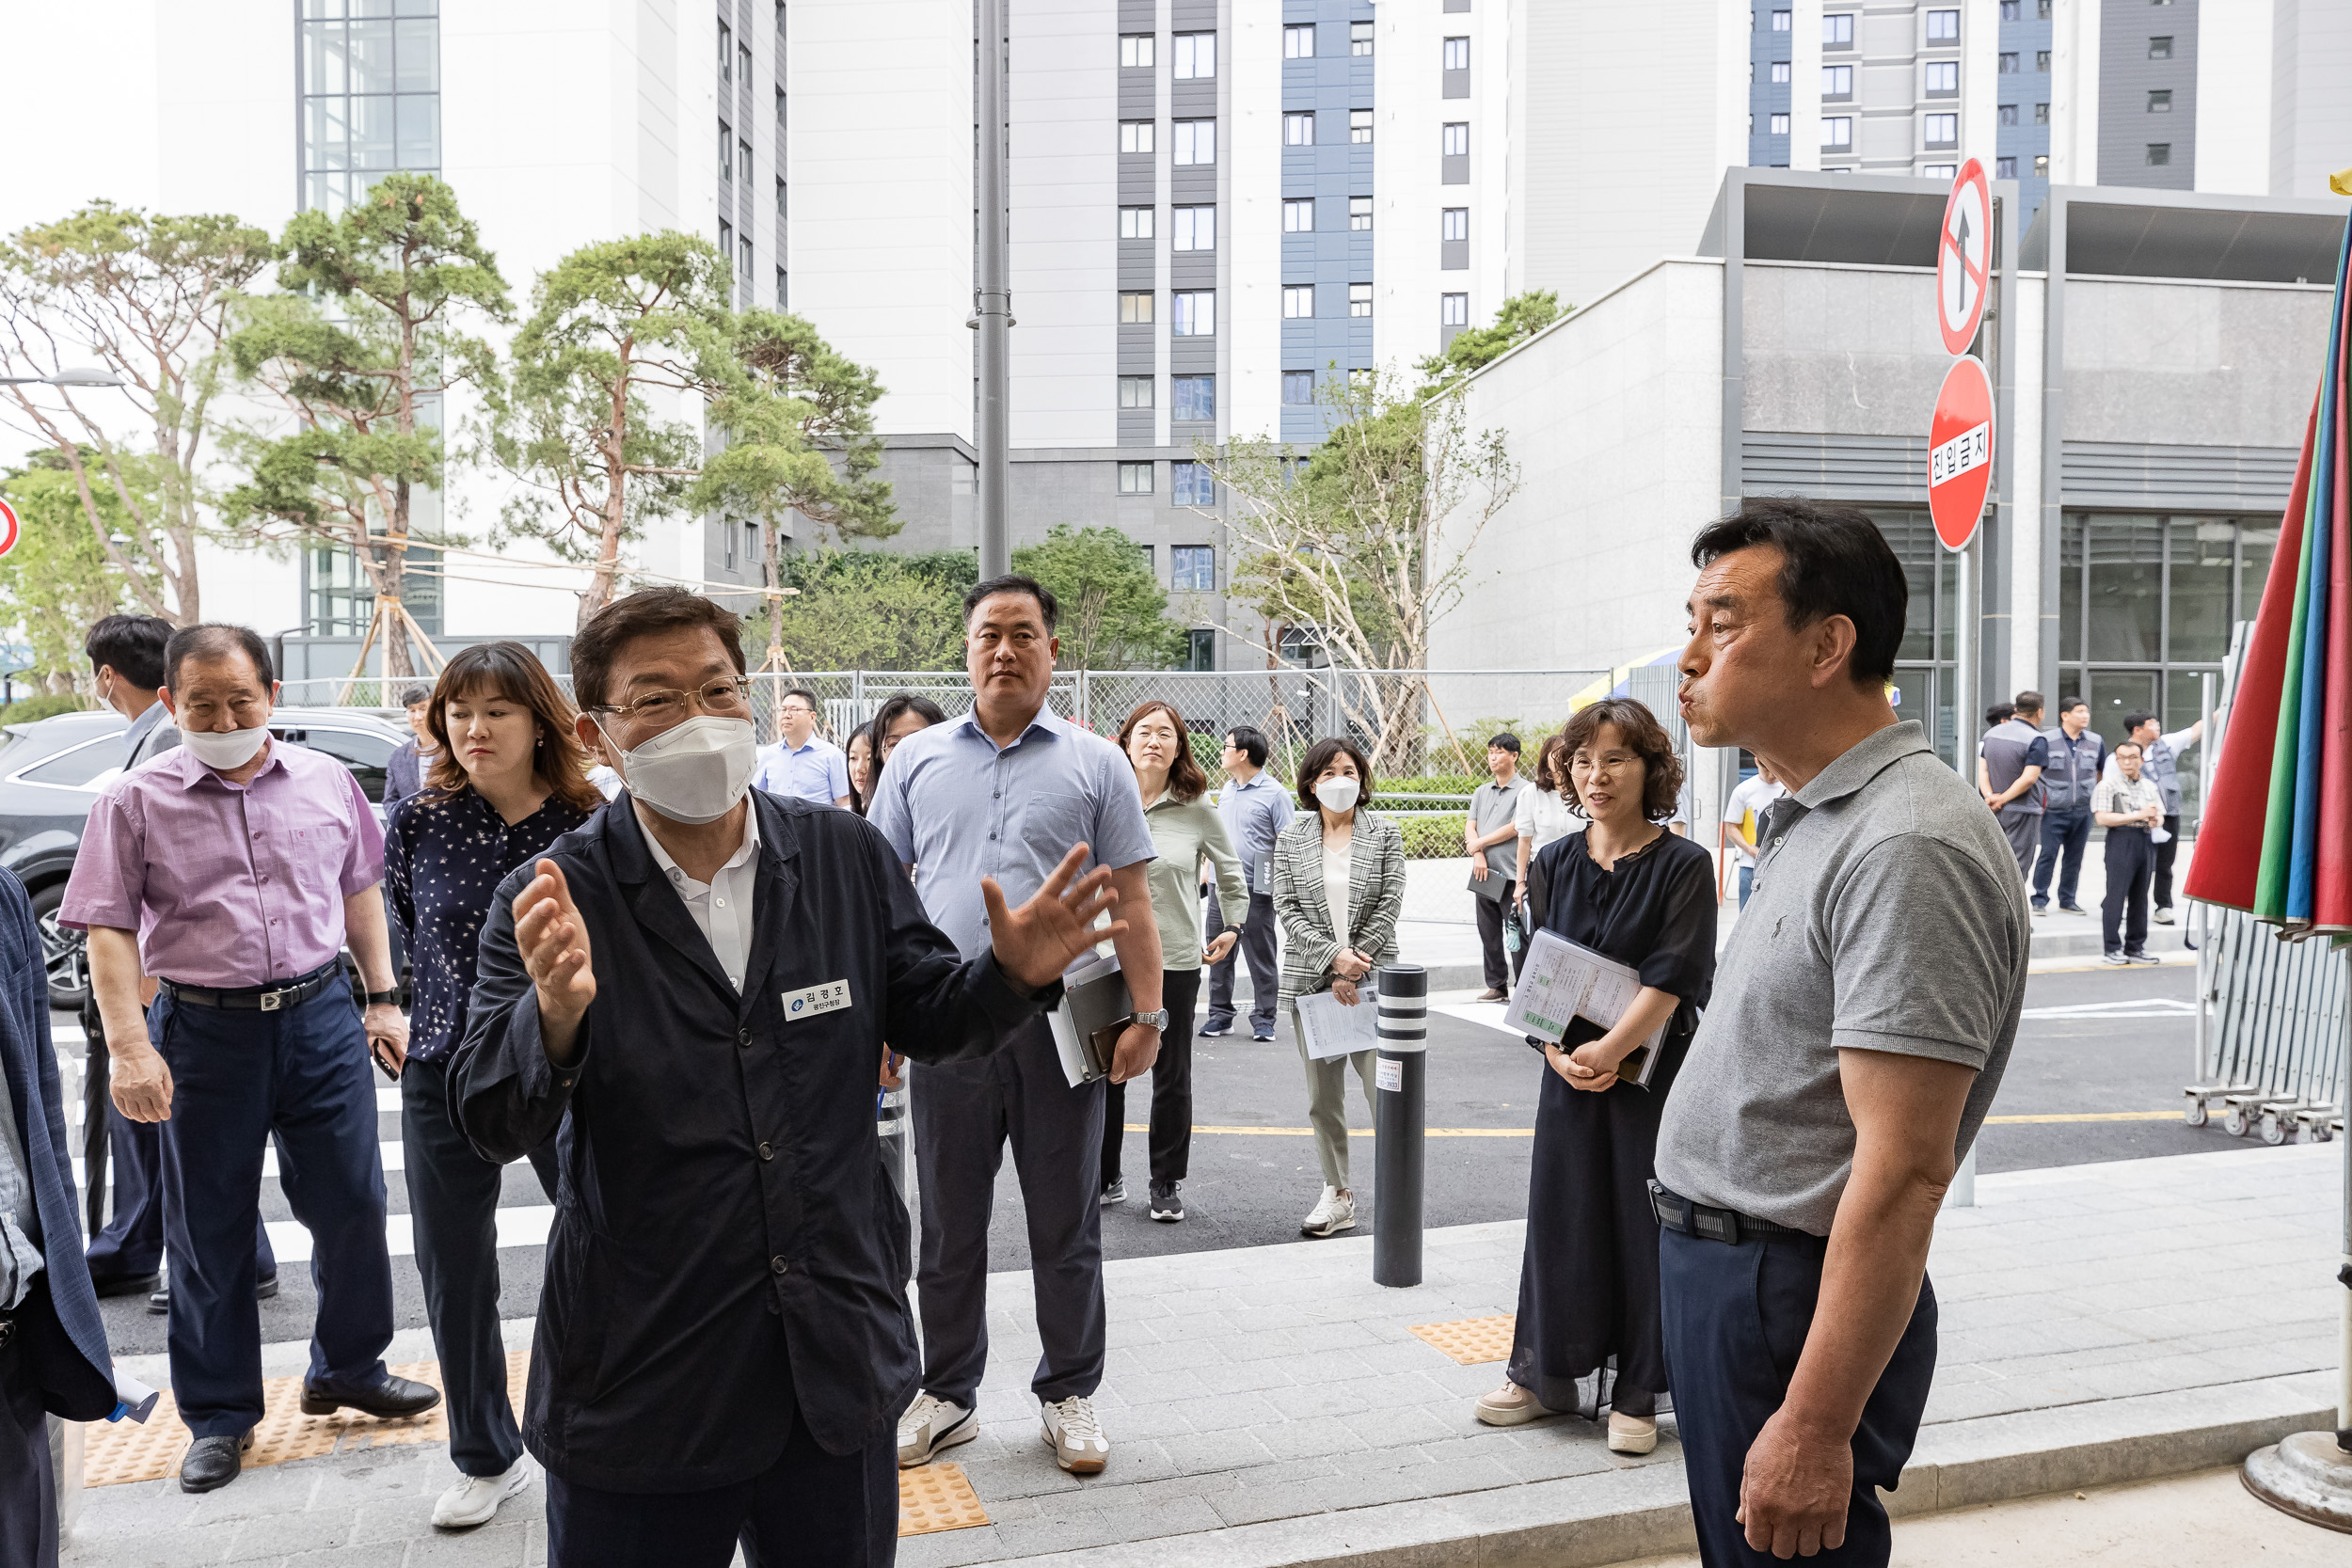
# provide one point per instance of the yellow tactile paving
(1472, 1339)
(934, 1497)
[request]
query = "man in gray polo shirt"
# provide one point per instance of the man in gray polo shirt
(2010, 760)
(1863, 1014)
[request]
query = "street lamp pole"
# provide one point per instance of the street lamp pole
(992, 299)
(63, 378)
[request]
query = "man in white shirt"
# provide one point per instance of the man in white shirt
(2160, 762)
(1743, 816)
(2127, 804)
(803, 765)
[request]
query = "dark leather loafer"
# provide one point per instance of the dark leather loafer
(393, 1397)
(126, 1285)
(265, 1287)
(213, 1462)
(160, 1303)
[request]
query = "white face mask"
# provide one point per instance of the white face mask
(1339, 794)
(225, 749)
(695, 772)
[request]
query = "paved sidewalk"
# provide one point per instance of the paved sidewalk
(1271, 1406)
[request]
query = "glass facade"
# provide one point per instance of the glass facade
(370, 95)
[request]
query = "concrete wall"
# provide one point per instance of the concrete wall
(1840, 348)
(2311, 109)
(2192, 364)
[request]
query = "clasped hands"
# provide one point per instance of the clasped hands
(1592, 1066)
(1347, 968)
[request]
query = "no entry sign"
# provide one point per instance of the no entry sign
(10, 530)
(1960, 452)
(1962, 256)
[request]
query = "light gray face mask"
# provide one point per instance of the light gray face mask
(695, 772)
(1339, 794)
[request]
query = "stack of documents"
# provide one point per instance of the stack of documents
(1328, 1027)
(1562, 981)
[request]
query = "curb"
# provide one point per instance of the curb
(1641, 1509)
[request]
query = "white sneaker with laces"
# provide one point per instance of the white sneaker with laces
(1075, 1436)
(929, 1425)
(475, 1499)
(1333, 1213)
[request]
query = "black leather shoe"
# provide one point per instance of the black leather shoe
(393, 1397)
(160, 1303)
(126, 1285)
(213, 1462)
(265, 1287)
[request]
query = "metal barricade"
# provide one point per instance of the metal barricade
(2271, 1048)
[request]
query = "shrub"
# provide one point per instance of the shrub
(29, 708)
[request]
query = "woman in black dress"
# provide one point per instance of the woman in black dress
(1589, 1330)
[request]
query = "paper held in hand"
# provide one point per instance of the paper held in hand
(1330, 1028)
(1564, 980)
(1086, 1024)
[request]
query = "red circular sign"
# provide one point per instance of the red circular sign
(10, 530)
(1963, 255)
(1960, 452)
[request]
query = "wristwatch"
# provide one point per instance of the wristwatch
(1156, 1019)
(376, 997)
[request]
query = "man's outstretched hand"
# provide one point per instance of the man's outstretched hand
(554, 942)
(1035, 942)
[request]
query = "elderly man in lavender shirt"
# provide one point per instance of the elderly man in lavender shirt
(232, 870)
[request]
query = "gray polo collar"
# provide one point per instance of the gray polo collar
(1865, 760)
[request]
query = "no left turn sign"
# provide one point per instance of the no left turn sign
(1962, 256)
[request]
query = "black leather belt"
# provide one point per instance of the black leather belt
(265, 999)
(1677, 1212)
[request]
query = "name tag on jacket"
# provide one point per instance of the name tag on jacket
(831, 997)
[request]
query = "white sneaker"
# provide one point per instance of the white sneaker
(1632, 1433)
(929, 1425)
(1075, 1436)
(475, 1499)
(2164, 917)
(1335, 1213)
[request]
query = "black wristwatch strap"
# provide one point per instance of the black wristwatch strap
(376, 996)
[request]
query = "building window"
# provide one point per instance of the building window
(727, 240)
(1192, 483)
(1298, 215)
(2006, 114)
(2160, 102)
(1837, 31)
(1298, 130)
(1195, 228)
(1298, 41)
(1939, 171)
(1779, 125)
(2041, 166)
(1134, 308)
(1943, 78)
(1837, 80)
(1457, 54)
(1134, 223)
(1943, 27)
(2160, 49)
(1134, 135)
(1201, 648)
(779, 118)
(370, 101)
(727, 154)
(1298, 387)
(1360, 211)
(743, 63)
(2041, 114)
(2160, 153)
(1135, 51)
(1193, 56)
(1195, 142)
(1780, 71)
(1359, 38)
(1454, 224)
(1192, 569)
(2011, 11)
(780, 201)
(784, 294)
(1134, 479)
(2004, 169)
(2008, 63)
(727, 50)
(1780, 21)
(743, 161)
(1359, 299)
(744, 260)
(2041, 61)
(1360, 125)
(1454, 309)
(1836, 131)
(1192, 314)
(1941, 130)
(1455, 140)
(1135, 392)
(1299, 301)
(1192, 398)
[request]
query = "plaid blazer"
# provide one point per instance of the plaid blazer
(1375, 896)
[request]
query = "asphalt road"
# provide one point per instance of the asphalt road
(2130, 1054)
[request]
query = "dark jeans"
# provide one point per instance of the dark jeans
(2124, 914)
(837, 1510)
(300, 1077)
(1735, 1319)
(1257, 947)
(2166, 853)
(2066, 832)
(28, 1488)
(452, 1207)
(1490, 932)
(1172, 1089)
(964, 1115)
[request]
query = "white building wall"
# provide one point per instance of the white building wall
(1063, 186)
(1249, 66)
(2234, 66)
(2074, 95)
(2311, 134)
(1408, 188)
(1804, 86)
(2026, 491)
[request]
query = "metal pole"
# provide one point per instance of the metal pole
(992, 298)
(1401, 1074)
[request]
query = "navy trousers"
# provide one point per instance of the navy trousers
(1735, 1319)
(132, 1245)
(2065, 835)
(300, 1077)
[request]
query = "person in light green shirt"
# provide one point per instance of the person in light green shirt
(1186, 831)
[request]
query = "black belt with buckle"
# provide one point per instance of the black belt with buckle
(1677, 1212)
(266, 999)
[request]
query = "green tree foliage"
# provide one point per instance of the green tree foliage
(367, 339)
(1521, 317)
(58, 579)
(1114, 612)
(144, 297)
(868, 610)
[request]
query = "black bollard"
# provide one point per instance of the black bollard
(1401, 1076)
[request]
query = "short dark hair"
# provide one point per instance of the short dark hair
(1185, 781)
(1550, 780)
(2000, 713)
(2068, 705)
(133, 645)
(2137, 717)
(641, 614)
(215, 640)
(1014, 583)
(509, 671)
(411, 695)
(1661, 769)
(2133, 744)
(897, 707)
(1319, 757)
(2029, 702)
(1250, 741)
(1833, 561)
(804, 694)
(1505, 739)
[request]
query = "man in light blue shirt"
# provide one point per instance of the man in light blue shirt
(1256, 809)
(1004, 791)
(803, 765)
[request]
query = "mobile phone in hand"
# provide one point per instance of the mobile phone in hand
(383, 1061)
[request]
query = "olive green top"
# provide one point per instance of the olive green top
(1186, 835)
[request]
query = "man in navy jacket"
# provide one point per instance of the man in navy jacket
(52, 1348)
(695, 987)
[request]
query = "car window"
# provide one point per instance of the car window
(78, 767)
(364, 752)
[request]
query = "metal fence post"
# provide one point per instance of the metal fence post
(1401, 1072)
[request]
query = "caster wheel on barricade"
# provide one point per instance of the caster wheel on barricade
(2273, 1131)
(2234, 1122)
(2194, 1113)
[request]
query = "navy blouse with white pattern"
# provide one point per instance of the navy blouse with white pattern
(444, 856)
